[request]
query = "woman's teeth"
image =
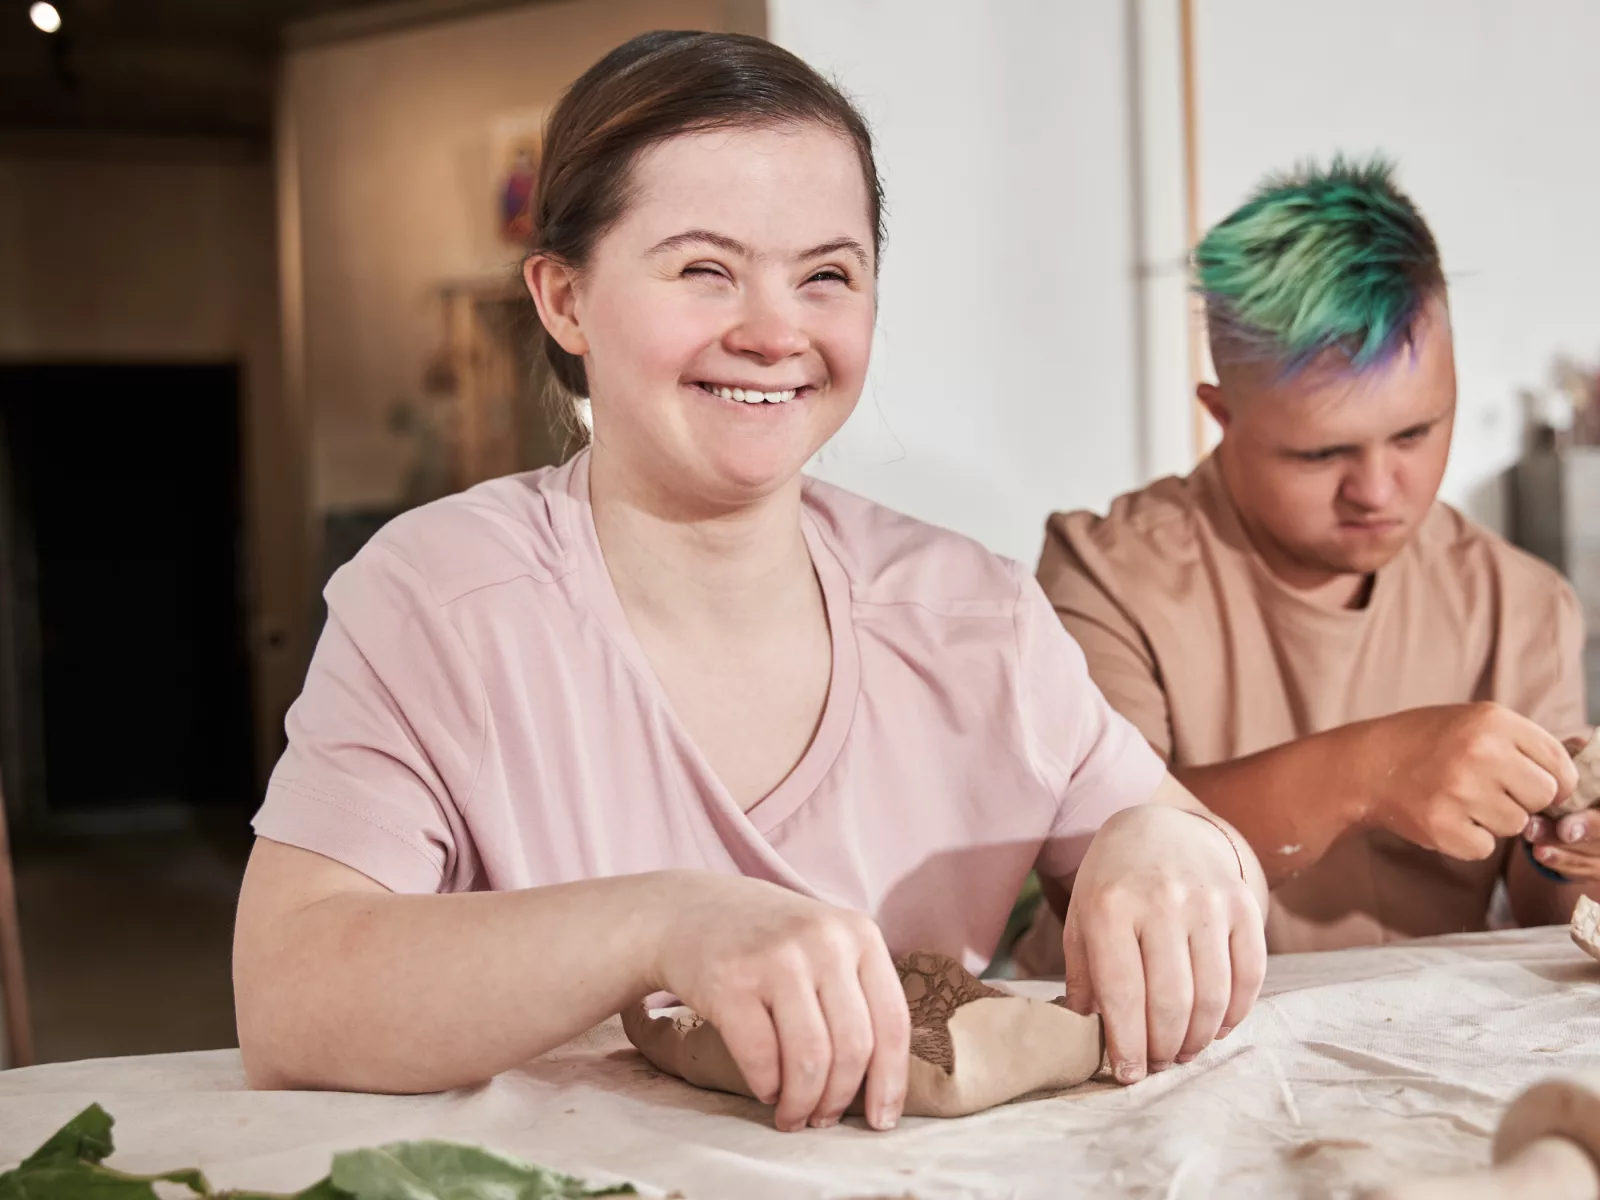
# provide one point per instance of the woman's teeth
(749, 396)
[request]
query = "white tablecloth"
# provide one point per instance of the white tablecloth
(1356, 1068)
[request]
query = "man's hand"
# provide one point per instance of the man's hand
(1569, 845)
(1458, 777)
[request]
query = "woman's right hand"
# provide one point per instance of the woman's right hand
(804, 995)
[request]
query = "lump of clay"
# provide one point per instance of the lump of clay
(972, 1046)
(1586, 757)
(1586, 926)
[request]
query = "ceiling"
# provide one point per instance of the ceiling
(153, 67)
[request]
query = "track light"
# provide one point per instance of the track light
(45, 17)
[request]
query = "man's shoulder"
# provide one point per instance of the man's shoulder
(1149, 539)
(1456, 551)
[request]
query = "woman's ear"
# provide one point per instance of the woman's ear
(553, 286)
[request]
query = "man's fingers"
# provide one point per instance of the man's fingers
(1116, 972)
(805, 1054)
(1575, 865)
(747, 1030)
(1577, 828)
(891, 1033)
(1508, 814)
(1467, 841)
(1546, 750)
(1531, 785)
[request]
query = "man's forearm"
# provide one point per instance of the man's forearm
(1291, 802)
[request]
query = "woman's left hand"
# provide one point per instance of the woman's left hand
(1569, 845)
(1163, 937)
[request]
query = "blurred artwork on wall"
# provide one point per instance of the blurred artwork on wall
(515, 142)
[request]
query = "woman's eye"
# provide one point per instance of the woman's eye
(829, 275)
(705, 271)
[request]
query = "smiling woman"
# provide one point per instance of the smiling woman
(671, 716)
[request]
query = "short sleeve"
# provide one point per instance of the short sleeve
(1093, 760)
(385, 739)
(1119, 658)
(1557, 696)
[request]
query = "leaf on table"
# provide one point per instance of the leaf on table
(85, 1138)
(446, 1171)
(69, 1166)
(86, 1181)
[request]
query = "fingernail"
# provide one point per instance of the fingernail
(1185, 1059)
(1569, 833)
(1129, 1072)
(885, 1119)
(1544, 854)
(824, 1122)
(1224, 1032)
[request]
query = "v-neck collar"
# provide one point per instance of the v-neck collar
(778, 805)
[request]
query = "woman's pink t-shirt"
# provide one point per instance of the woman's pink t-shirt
(478, 715)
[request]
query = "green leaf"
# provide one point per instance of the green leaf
(86, 1181)
(69, 1167)
(85, 1138)
(445, 1171)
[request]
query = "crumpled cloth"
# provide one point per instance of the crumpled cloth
(1358, 1067)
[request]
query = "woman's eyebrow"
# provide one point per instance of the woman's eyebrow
(845, 245)
(690, 237)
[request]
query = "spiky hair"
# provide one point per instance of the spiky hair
(1316, 260)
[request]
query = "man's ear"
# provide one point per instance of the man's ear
(1215, 401)
(553, 286)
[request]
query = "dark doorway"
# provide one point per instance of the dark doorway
(128, 625)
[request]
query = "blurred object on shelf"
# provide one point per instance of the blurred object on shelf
(1566, 410)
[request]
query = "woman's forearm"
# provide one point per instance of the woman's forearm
(341, 984)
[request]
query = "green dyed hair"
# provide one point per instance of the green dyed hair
(1316, 260)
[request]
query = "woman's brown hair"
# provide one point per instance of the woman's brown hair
(649, 89)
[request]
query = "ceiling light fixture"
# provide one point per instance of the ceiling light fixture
(45, 17)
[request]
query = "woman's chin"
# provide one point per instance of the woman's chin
(744, 472)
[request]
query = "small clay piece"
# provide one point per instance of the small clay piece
(1547, 1146)
(1586, 926)
(972, 1046)
(1586, 757)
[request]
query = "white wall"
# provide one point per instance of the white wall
(386, 165)
(1004, 378)
(1491, 110)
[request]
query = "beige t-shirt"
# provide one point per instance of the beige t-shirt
(1193, 640)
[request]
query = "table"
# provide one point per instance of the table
(1357, 1067)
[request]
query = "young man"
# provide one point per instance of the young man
(1368, 685)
